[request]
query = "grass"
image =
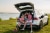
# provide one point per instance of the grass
(6, 26)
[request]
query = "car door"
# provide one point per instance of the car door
(45, 19)
(24, 6)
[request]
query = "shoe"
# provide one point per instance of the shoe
(22, 29)
(31, 31)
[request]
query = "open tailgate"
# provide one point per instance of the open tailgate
(24, 6)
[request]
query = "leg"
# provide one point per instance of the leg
(17, 27)
(19, 24)
(31, 26)
(24, 26)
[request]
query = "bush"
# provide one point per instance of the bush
(11, 18)
(0, 19)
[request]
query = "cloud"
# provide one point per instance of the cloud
(8, 5)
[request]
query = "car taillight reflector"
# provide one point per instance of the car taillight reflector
(35, 18)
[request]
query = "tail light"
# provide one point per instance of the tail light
(35, 18)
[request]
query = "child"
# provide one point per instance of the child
(21, 20)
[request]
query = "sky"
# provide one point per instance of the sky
(8, 5)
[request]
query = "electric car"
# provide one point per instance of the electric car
(39, 18)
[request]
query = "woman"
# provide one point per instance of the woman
(29, 20)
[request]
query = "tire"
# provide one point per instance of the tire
(41, 24)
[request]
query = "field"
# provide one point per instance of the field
(7, 26)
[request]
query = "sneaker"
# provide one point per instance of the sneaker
(22, 29)
(31, 31)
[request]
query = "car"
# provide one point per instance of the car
(39, 18)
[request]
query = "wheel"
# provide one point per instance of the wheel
(41, 24)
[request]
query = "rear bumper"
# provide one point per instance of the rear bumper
(28, 26)
(35, 22)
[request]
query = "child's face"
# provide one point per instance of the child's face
(22, 16)
(25, 16)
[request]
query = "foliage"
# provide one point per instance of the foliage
(9, 26)
(0, 19)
